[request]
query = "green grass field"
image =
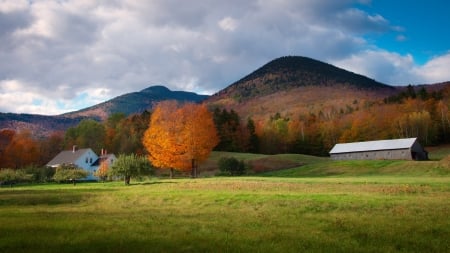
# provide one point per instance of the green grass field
(321, 206)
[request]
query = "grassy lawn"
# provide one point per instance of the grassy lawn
(247, 214)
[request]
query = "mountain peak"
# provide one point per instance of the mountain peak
(289, 72)
(136, 102)
(156, 89)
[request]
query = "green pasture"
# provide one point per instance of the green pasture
(317, 205)
(248, 214)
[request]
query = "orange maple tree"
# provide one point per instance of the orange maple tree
(22, 151)
(102, 171)
(180, 137)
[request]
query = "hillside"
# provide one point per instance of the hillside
(135, 102)
(39, 125)
(298, 84)
(290, 72)
(288, 86)
(298, 165)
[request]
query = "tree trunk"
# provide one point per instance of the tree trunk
(127, 180)
(171, 173)
(194, 169)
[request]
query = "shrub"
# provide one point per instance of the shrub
(70, 173)
(40, 174)
(10, 176)
(231, 166)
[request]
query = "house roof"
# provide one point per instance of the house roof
(103, 158)
(373, 145)
(67, 157)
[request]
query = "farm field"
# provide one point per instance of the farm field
(347, 213)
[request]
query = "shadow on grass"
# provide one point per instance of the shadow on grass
(45, 197)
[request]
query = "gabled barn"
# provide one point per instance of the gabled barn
(397, 149)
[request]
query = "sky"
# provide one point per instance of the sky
(58, 56)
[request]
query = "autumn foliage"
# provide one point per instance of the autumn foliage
(180, 137)
(102, 171)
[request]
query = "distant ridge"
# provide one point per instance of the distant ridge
(130, 103)
(289, 72)
(136, 102)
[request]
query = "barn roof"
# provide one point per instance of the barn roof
(373, 145)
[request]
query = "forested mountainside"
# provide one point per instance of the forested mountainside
(297, 85)
(298, 104)
(291, 72)
(131, 103)
(39, 125)
(285, 106)
(136, 102)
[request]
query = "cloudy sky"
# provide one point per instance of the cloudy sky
(63, 55)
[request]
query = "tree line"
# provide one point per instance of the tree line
(411, 114)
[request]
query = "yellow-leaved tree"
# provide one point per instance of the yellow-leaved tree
(180, 137)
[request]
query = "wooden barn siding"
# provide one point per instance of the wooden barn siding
(398, 154)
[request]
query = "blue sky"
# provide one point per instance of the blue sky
(423, 27)
(59, 56)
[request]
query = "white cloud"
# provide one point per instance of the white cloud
(16, 96)
(381, 65)
(228, 24)
(21, 97)
(13, 6)
(66, 55)
(395, 69)
(435, 70)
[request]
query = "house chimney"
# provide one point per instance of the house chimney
(74, 148)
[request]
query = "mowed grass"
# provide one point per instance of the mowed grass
(246, 214)
(316, 205)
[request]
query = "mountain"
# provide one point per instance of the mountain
(289, 86)
(130, 103)
(292, 72)
(293, 84)
(136, 102)
(39, 125)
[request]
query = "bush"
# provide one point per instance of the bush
(10, 176)
(232, 166)
(40, 174)
(69, 173)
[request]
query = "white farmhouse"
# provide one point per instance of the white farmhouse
(85, 158)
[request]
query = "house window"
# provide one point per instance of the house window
(90, 160)
(87, 160)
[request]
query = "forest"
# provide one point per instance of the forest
(409, 114)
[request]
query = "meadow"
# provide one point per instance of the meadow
(321, 206)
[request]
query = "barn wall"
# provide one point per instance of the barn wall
(398, 154)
